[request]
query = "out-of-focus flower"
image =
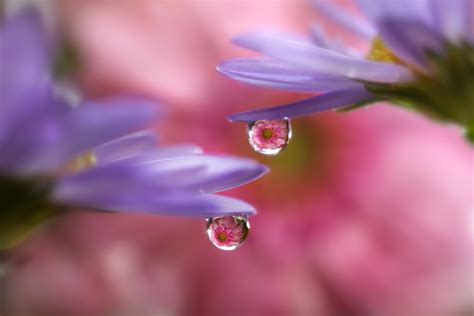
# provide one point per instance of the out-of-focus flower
(422, 57)
(151, 46)
(55, 155)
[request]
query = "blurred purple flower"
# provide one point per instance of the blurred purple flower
(421, 57)
(55, 155)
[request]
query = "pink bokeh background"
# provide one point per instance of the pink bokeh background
(365, 213)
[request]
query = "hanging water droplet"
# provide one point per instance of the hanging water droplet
(228, 232)
(269, 137)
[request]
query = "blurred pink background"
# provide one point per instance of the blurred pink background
(365, 213)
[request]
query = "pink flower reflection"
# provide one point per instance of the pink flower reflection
(269, 137)
(228, 232)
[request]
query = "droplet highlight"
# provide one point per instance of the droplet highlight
(269, 137)
(228, 232)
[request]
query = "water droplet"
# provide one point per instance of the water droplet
(269, 137)
(228, 232)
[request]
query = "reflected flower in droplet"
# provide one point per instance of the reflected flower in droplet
(269, 137)
(228, 232)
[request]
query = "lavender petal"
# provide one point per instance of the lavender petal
(320, 103)
(148, 155)
(125, 147)
(320, 39)
(453, 18)
(171, 186)
(204, 206)
(94, 123)
(221, 173)
(29, 140)
(24, 58)
(196, 174)
(349, 21)
(276, 74)
(324, 61)
(411, 40)
(377, 10)
(59, 134)
(469, 11)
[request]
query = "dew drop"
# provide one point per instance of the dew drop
(269, 137)
(228, 232)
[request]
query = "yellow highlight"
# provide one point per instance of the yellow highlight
(380, 52)
(83, 161)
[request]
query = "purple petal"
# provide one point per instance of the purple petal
(320, 103)
(269, 35)
(111, 196)
(135, 155)
(276, 74)
(220, 173)
(410, 40)
(196, 174)
(377, 10)
(349, 21)
(205, 206)
(320, 38)
(29, 142)
(453, 18)
(48, 139)
(94, 123)
(469, 11)
(210, 174)
(24, 58)
(171, 186)
(321, 60)
(124, 147)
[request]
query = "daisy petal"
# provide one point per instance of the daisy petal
(60, 134)
(24, 58)
(125, 147)
(319, 37)
(469, 11)
(33, 149)
(320, 103)
(156, 154)
(280, 75)
(304, 54)
(95, 123)
(377, 10)
(174, 186)
(453, 18)
(210, 174)
(350, 22)
(204, 206)
(224, 173)
(196, 174)
(410, 40)
(24, 62)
